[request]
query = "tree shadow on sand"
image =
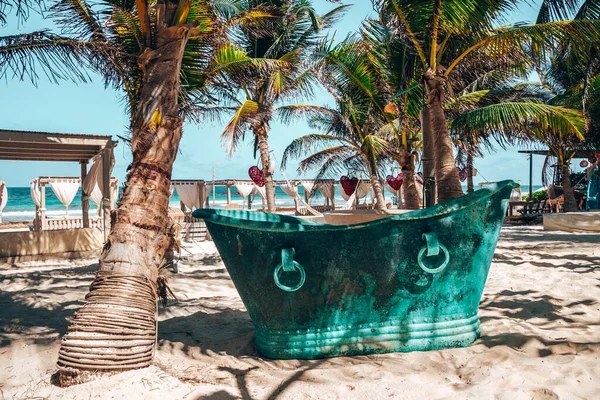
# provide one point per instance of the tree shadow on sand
(541, 311)
(38, 312)
(223, 330)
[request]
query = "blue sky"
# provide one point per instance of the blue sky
(90, 108)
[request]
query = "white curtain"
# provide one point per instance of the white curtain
(95, 175)
(92, 178)
(363, 189)
(291, 190)
(96, 196)
(65, 190)
(188, 194)
(343, 193)
(392, 190)
(208, 188)
(309, 189)
(260, 190)
(114, 193)
(3, 197)
(245, 189)
(34, 190)
(328, 190)
(350, 200)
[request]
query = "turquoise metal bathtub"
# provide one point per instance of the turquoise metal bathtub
(402, 283)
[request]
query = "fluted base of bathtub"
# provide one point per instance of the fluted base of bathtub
(385, 337)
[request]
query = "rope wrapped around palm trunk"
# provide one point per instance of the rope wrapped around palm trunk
(114, 330)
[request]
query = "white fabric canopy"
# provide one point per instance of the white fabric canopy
(291, 190)
(65, 190)
(328, 190)
(363, 189)
(392, 190)
(208, 188)
(309, 189)
(260, 190)
(343, 193)
(3, 197)
(95, 175)
(114, 193)
(96, 197)
(34, 190)
(244, 188)
(188, 194)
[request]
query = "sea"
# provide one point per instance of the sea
(20, 207)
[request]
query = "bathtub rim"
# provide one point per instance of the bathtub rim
(286, 223)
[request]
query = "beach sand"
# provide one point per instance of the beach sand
(540, 317)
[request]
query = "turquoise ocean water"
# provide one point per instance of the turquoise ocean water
(20, 207)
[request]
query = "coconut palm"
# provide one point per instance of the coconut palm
(446, 36)
(170, 59)
(349, 141)
(521, 114)
(291, 38)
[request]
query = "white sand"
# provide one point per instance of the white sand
(540, 336)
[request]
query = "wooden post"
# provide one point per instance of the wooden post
(106, 200)
(85, 202)
(201, 194)
(43, 222)
(228, 194)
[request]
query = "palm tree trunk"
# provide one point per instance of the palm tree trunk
(115, 330)
(378, 191)
(446, 176)
(261, 132)
(570, 202)
(412, 197)
(428, 159)
(470, 188)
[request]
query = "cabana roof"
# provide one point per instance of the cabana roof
(578, 154)
(47, 146)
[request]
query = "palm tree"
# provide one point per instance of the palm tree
(349, 141)
(290, 39)
(393, 64)
(446, 36)
(519, 114)
(170, 59)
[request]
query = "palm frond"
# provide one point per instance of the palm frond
(234, 131)
(59, 58)
(525, 118)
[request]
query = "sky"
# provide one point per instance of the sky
(90, 108)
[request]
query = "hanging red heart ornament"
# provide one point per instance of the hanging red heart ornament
(395, 183)
(257, 176)
(349, 184)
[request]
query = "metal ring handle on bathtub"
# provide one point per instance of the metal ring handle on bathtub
(433, 248)
(288, 264)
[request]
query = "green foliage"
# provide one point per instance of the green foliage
(537, 195)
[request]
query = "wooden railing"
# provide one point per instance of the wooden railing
(192, 229)
(56, 224)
